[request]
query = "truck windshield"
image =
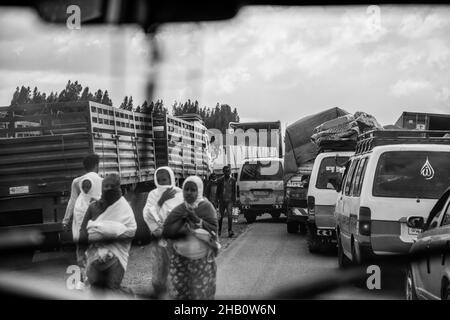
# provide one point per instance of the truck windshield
(262, 171)
(412, 174)
(330, 172)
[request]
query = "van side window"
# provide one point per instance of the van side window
(345, 175)
(446, 218)
(356, 188)
(350, 177)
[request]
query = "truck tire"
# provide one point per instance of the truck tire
(303, 228)
(292, 226)
(250, 216)
(314, 244)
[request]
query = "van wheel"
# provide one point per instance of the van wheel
(410, 290)
(250, 216)
(445, 295)
(292, 227)
(343, 261)
(314, 244)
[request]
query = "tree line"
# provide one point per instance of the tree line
(72, 92)
(217, 117)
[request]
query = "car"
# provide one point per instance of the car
(325, 177)
(296, 204)
(393, 175)
(261, 188)
(428, 276)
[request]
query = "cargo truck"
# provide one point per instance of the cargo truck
(42, 147)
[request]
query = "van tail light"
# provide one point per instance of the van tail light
(365, 224)
(238, 193)
(311, 205)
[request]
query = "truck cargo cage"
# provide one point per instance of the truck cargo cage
(367, 141)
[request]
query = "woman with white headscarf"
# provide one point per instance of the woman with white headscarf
(90, 187)
(160, 202)
(192, 228)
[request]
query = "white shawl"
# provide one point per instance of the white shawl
(84, 199)
(154, 215)
(117, 221)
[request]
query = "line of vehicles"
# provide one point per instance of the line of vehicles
(390, 197)
(386, 195)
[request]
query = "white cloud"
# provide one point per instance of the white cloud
(377, 58)
(438, 53)
(443, 95)
(416, 26)
(410, 60)
(407, 87)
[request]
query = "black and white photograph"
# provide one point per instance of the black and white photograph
(239, 153)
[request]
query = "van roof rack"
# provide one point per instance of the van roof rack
(336, 145)
(371, 139)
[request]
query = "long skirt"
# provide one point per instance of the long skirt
(160, 269)
(192, 279)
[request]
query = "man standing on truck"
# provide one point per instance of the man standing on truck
(90, 164)
(226, 196)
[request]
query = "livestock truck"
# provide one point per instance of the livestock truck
(42, 147)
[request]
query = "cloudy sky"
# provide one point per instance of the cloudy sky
(270, 63)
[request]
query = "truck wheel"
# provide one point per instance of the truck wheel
(303, 228)
(314, 244)
(250, 216)
(292, 227)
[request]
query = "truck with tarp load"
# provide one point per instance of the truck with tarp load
(299, 156)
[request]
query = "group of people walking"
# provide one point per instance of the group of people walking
(184, 223)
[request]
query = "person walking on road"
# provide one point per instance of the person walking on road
(192, 230)
(211, 190)
(106, 233)
(226, 196)
(85, 189)
(160, 202)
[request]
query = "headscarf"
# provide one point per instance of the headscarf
(199, 183)
(83, 201)
(162, 188)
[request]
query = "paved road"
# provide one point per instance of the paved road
(261, 260)
(266, 258)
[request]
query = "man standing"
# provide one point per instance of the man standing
(226, 195)
(107, 231)
(211, 190)
(79, 202)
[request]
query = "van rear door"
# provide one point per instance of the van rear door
(406, 183)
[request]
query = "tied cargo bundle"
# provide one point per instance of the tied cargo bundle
(342, 133)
